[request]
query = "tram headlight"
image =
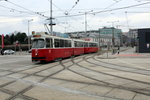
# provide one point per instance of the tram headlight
(36, 52)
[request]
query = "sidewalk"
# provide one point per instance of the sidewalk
(130, 52)
(125, 52)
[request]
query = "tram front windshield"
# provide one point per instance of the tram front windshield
(38, 43)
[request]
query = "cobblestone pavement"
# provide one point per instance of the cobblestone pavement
(86, 77)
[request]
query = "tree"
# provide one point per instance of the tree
(21, 37)
(12, 38)
(7, 40)
(24, 37)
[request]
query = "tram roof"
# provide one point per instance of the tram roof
(44, 35)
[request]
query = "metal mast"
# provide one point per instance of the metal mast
(85, 19)
(85, 23)
(51, 19)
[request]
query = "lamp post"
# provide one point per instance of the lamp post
(99, 38)
(85, 19)
(29, 33)
(51, 18)
(113, 35)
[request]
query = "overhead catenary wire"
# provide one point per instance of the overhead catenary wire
(14, 16)
(13, 10)
(131, 6)
(112, 4)
(103, 11)
(66, 12)
(73, 6)
(37, 13)
(69, 26)
(96, 12)
(57, 7)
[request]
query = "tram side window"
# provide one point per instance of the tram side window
(57, 43)
(93, 45)
(85, 44)
(49, 43)
(90, 44)
(62, 43)
(75, 43)
(69, 43)
(78, 44)
(81, 44)
(66, 43)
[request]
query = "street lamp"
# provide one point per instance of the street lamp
(85, 13)
(51, 17)
(99, 37)
(29, 33)
(113, 37)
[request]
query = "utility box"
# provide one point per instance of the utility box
(143, 40)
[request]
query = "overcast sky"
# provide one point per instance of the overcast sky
(14, 14)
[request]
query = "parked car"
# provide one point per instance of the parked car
(30, 51)
(2, 52)
(9, 52)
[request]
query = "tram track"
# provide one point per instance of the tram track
(29, 87)
(108, 84)
(18, 94)
(19, 70)
(101, 83)
(67, 67)
(25, 68)
(121, 68)
(64, 66)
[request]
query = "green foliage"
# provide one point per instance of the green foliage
(7, 40)
(11, 39)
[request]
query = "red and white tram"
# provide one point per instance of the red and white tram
(48, 48)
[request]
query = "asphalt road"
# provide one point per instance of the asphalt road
(87, 77)
(14, 61)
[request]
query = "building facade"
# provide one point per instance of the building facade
(105, 36)
(141, 39)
